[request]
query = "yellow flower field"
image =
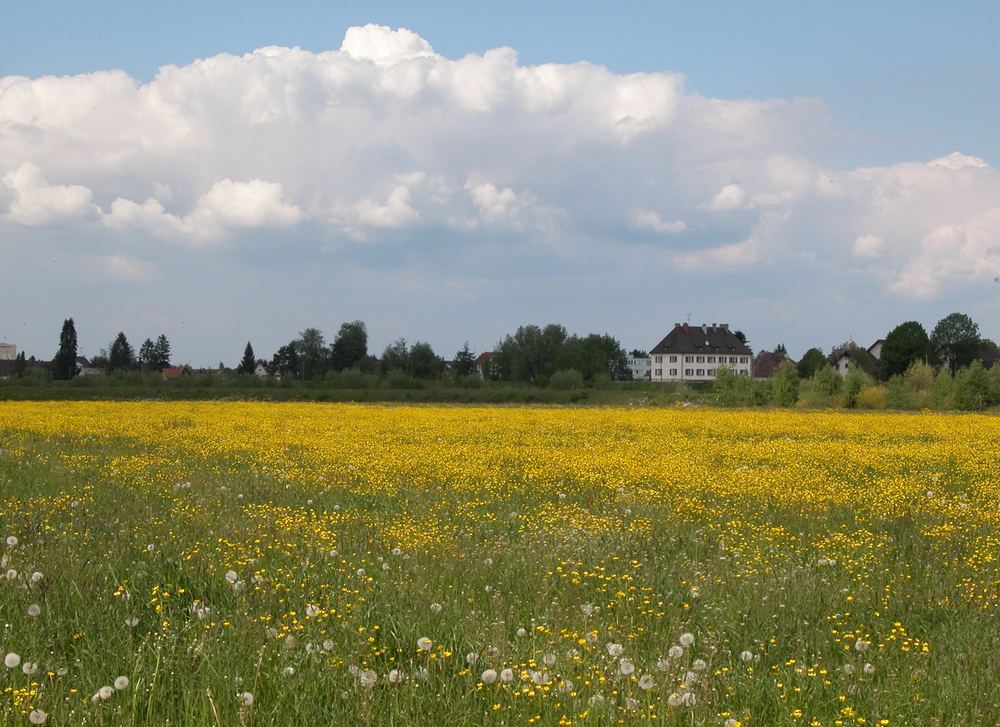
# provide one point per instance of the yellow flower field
(251, 563)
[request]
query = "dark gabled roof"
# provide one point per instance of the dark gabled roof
(686, 338)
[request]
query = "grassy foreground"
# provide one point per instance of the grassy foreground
(264, 563)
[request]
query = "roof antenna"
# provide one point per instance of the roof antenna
(689, 318)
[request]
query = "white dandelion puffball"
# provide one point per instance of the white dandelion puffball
(29, 668)
(849, 669)
(626, 667)
(37, 716)
(121, 683)
(436, 608)
(471, 658)
(395, 676)
(288, 671)
(36, 577)
(587, 609)
(12, 660)
(488, 562)
(731, 722)
(615, 650)
(488, 677)
(699, 665)
(567, 686)
(12, 541)
(868, 669)
(689, 678)
(246, 698)
(150, 548)
(328, 645)
(522, 632)
(646, 682)
(686, 640)
(132, 621)
(507, 676)
(368, 678)
(312, 610)
(675, 652)
(105, 692)
(746, 657)
(549, 659)
(360, 572)
(290, 642)
(674, 700)
(11, 574)
(540, 677)
(689, 699)
(397, 551)
(663, 664)
(424, 643)
(231, 576)
(34, 609)
(860, 645)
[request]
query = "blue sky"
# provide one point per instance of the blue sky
(777, 170)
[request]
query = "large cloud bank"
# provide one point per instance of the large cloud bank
(386, 143)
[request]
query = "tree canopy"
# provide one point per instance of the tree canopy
(64, 362)
(905, 344)
(955, 341)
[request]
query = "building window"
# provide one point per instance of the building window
(689, 372)
(701, 372)
(711, 372)
(743, 359)
(688, 359)
(732, 359)
(673, 372)
(659, 359)
(700, 359)
(673, 359)
(711, 359)
(659, 372)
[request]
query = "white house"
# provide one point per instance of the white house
(695, 353)
(866, 358)
(8, 351)
(260, 370)
(641, 367)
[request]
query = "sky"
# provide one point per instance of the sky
(222, 172)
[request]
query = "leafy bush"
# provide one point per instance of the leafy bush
(784, 389)
(566, 379)
(871, 397)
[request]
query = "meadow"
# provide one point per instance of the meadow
(203, 563)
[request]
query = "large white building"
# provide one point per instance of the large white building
(695, 353)
(8, 351)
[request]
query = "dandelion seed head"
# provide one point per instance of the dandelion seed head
(507, 675)
(646, 682)
(436, 608)
(686, 640)
(488, 676)
(245, 698)
(37, 716)
(746, 656)
(121, 683)
(105, 693)
(614, 649)
(34, 610)
(12, 541)
(12, 660)
(368, 678)
(424, 643)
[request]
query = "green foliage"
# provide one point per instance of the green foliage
(854, 382)
(285, 362)
(784, 389)
(731, 389)
(940, 394)
(533, 354)
(870, 397)
(249, 361)
(972, 390)
(905, 344)
(396, 357)
(898, 395)
(465, 362)
(424, 363)
(828, 382)
(350, 346)
(811, 362)
(121, 357)
(311, 350)
(955, 341)
(64, 362)
(566, 379)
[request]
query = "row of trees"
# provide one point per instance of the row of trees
(533, 354)
(954, 343)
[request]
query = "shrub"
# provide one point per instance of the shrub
(940, 393)
(871, 397)
(971, 388)
(566, 379)
(601, 380)
(784, 389)
(898, 394)
(854, 382)
(828, 381)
